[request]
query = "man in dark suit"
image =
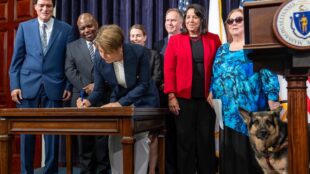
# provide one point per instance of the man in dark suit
(126, 69)
(37, 77)
(93, 150)
(173, 25)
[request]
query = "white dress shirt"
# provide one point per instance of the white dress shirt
(49, 28)
(120, 73)
(87, 42)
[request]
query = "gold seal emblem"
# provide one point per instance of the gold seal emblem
(291, 24)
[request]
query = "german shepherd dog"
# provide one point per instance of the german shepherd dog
(268, 138)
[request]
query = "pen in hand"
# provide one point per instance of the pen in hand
(82, 95)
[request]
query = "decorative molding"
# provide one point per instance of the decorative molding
(23, 9)
(3, 11)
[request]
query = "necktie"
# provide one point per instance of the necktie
(44, 38)
(91, 51)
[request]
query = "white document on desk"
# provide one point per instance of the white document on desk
(217, 105)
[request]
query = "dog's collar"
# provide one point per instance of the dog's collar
(275, 148)
(280, 144)
(271, 150)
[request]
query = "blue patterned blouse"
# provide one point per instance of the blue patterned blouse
(236, 84)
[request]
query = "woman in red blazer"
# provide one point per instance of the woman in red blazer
(187, 72)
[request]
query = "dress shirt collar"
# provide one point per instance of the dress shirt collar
(87, 42)
(49, 24)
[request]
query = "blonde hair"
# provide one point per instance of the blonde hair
(110, 38)
(177, 11)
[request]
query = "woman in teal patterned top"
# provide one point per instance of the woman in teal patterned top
(236, 84)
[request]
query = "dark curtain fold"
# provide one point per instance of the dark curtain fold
(125, 13)
(227, 6)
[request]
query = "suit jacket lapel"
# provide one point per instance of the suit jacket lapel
(37, 36)
(206, 49)
(129, 66)
(56, 30)
(163, 45)
(109, 69)
(83, 49)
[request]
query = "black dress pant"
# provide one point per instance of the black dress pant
(236, 154)
(170, 138)
(195, 137)
(170, 146)
(94, 154)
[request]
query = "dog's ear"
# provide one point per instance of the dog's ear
(278, 110)
(245, 115)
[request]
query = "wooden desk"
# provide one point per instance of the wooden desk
(124, 121)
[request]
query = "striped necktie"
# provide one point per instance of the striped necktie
(44, 37)
(91, 51)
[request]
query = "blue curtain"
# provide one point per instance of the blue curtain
(227, 6)
(125, 13)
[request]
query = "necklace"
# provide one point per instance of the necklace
(196, 38)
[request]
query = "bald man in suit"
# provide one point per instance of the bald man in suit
(93, 150)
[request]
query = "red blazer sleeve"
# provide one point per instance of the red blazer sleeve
(212, 42)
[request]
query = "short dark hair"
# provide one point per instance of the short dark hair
(201, 13)
(36, 1)
(87, 16)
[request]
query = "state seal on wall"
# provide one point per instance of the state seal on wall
(291, 24)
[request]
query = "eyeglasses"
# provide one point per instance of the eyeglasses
(238, 20)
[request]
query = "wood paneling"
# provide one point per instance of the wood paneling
(12, 12)
(3, 53)
(3, 11)
(23, 9)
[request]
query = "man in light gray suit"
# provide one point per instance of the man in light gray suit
(93, 150)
